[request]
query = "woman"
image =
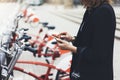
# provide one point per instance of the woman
(93, 46)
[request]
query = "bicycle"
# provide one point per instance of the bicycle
(8, 39)
(61, 73)
(15, 58)
(11, 55)
(11, 44)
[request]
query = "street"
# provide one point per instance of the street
(67, 20)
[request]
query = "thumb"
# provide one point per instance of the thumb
(59, 40)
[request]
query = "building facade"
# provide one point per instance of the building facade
(65, 2)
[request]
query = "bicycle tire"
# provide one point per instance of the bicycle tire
(64, 64)
(60, 75)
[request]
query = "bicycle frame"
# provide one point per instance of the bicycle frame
(42, 77)
(49, 66)
(46, 41)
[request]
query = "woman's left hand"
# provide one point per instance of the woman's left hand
(66, 45)
(63, 44)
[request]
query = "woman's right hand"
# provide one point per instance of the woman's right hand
(64, 36)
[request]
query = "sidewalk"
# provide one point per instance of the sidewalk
(58, 16)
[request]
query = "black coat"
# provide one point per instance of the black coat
(94, 42)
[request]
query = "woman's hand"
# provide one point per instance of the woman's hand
(66, 45)
(64, 36)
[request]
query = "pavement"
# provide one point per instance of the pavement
(64, 20)
(69, 20)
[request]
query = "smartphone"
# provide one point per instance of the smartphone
(57, 40)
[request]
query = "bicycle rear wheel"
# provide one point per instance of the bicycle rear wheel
(62, 76)
(64, 66)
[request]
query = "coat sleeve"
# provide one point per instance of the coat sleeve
(102, 39)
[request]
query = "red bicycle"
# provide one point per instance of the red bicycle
(59, 72)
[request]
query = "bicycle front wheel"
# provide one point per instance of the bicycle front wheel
(62, 76)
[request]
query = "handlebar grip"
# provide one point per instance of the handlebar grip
(26, 29)
(44, 23)
(33, 50)
(19, 16)
(25, 37)
(51, 27)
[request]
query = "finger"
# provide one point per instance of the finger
(63, 37)
(59, 40)
(55, 35)
(60, 45)
(63, 33)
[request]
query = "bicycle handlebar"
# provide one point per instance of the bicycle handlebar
(50, 27)
(33, 50)
(25, 37)
(44, 23)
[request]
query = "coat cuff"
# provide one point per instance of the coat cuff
(80, 50)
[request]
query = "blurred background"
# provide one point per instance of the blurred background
(67, 3)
